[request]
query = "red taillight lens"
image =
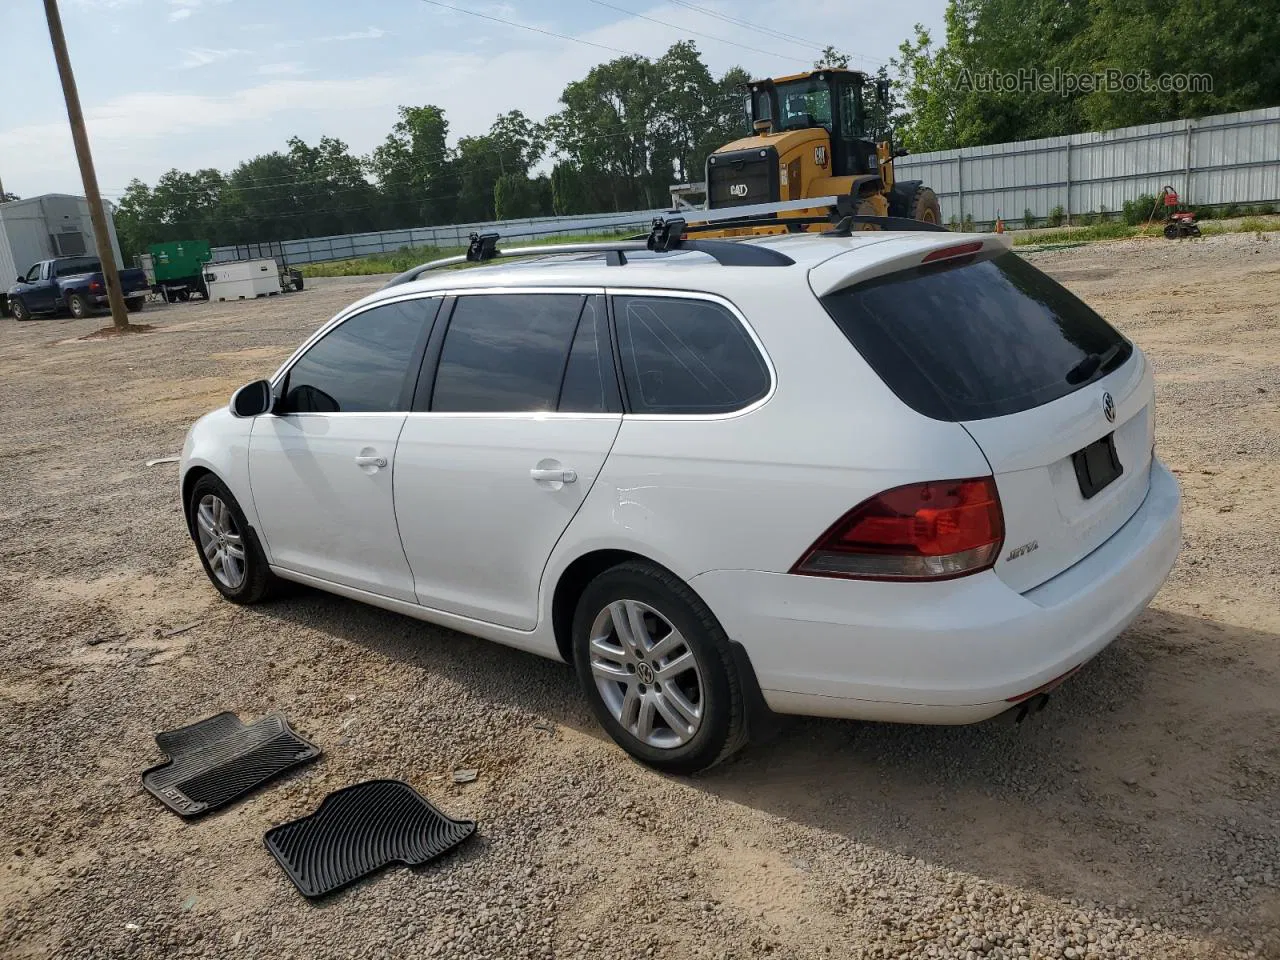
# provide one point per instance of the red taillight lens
(923, 531)
(94, 286)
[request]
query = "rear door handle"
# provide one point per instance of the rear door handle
(557, 475)
(371, 461)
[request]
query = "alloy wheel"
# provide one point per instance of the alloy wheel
(220, 541)
(646, 674)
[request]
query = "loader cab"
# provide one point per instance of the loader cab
(832, 99)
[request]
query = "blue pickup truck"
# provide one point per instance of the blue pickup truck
(74, 284)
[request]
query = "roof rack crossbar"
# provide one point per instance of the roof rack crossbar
(484, 248)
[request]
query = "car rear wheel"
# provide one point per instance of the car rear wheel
(657, 669)
(79, 306)
(134, 304)
(229, 549)
(20, 311)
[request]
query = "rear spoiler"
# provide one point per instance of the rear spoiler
(907, 252)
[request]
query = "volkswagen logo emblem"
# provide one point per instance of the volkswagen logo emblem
(1108, 407)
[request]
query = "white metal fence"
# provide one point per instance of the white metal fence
(1230, 158)
(318, 249)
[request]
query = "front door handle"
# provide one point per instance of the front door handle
(371, 461)
(557, 475)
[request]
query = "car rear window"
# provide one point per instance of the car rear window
(984, 338)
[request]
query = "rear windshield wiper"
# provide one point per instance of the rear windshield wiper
(1092, 363)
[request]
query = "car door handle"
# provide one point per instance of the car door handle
(371, 461)
(557, 475)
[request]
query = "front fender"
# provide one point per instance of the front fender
(219, 443)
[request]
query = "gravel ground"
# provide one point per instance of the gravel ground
(1137, 816)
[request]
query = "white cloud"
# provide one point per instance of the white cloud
(372, 33)
(203, 56)
(180, 14)
(291, 67)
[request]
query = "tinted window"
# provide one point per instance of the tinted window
(686, 356)
(505, 353)
(588, 378)
(981, 339)
(360, 366)
(72, 268)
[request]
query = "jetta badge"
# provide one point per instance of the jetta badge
(1108, 407)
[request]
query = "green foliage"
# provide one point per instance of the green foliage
(1028, 218)
(831, 57)
(1230, 210)
(1145, 208)
(1088, 219)
(1098, 231)
(1267, 209)
(948, 104)
(1259, 225)
(1057, 216)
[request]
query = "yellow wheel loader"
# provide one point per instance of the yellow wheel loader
(810, 144)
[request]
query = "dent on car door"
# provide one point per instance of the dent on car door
(321, 466)
(510, 431)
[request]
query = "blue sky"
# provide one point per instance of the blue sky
(200, 83)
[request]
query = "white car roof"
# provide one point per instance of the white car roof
(860, 253)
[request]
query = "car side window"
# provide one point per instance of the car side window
(360, 366)
(590, 385)
(684, 356)
(33, 274)
(505, 353)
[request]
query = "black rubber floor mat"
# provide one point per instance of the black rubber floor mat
(361, 829)
(219, 759)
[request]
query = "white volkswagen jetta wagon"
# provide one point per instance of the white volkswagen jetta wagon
(896, 476)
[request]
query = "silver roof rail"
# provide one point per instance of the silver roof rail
(666, 237)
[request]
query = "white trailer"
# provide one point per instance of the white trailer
(41, 228)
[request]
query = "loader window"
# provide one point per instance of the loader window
(805, 103)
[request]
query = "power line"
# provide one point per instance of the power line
(524, 26)
(755, 26)
(696, 33)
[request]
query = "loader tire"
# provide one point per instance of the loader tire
(924, 206)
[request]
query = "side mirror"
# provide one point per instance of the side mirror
(252, 400)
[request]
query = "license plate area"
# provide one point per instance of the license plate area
(1097, 465)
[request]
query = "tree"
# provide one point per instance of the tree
(7, 197)
(831, 57)
(415, 171)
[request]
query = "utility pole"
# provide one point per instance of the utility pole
(101, 235)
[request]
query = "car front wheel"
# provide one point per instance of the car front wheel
(20, 311)
(657, 669)
(229, 549)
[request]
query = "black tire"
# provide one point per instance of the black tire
(296, 279)
(79, 306)
(1171, 232)
(722, 729)
(258, 582)
(134, 304)
(925, 206)
(20, 311)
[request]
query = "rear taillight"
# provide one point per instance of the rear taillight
(922, 531)
(94, 286)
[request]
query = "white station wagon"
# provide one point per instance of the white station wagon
(896, 476)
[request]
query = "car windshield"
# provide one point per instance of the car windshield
(805, 103)
(76, 266)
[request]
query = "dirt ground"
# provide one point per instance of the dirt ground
(1137, 816)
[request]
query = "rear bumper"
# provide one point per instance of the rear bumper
(952, 652)
(102, 299)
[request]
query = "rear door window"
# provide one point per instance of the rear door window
(506, 353)
(685, 356)
(984, 338)
(590, 385)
